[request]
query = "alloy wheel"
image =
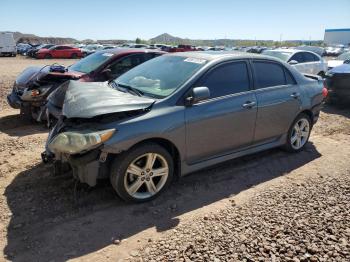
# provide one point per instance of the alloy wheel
(146, 175)
(300, 133)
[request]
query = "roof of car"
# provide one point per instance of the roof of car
(213, 55)
(291, 51)
(122, 50)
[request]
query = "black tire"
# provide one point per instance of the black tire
(122, 162)
(288, 146)
(74, 56)
(26, 114)
(48, 56)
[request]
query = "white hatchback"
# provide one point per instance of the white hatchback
(306, 62)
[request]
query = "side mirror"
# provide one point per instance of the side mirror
(107, 73)
(198, 94)
(293, 62)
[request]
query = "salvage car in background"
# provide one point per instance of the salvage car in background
(34, 84)
(179, 113)
(334, 50)
(22, 48)
(32, 51)
(90, 49)
(341, 59)
(338, 84)
(59, 51)
(305, 62)
(316, 49)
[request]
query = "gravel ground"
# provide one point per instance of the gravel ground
(308, 221)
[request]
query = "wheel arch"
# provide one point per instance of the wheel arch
(309, 113)
(169, 146)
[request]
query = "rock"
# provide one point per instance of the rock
(116, 241)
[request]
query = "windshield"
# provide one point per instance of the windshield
(344, 56)
(91, 62)
(279, 54)
(161, 76)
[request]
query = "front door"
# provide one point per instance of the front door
(225, 122)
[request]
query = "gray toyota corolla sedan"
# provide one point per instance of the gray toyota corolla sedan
(179, 113)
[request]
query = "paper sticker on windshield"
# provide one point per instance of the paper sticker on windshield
(107, 54)
(195, 60)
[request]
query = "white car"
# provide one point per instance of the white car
(339, 60)
(305, 62)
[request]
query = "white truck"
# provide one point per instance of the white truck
(7, 44)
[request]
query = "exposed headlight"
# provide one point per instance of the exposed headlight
(75, 142)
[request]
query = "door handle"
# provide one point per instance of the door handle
(295, 95)
(248, 104)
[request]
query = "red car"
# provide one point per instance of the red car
(59, 51)
(183, 48)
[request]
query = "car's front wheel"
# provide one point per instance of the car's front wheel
(299, 133)
(142, 173)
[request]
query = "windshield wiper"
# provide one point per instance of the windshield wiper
(130, 89)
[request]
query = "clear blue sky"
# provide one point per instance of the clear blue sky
(196, 19)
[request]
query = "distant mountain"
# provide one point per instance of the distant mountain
(34, 39)
(167, 38)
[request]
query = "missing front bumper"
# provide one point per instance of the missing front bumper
(86, 168)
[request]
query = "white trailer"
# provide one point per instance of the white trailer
(7, 44)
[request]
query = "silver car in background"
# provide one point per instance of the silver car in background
(306, 62)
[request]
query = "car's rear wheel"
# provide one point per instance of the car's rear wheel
(299, 133)
(74, 56)
(142, 173)
(48, 56)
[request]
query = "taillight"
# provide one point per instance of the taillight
(324, 90)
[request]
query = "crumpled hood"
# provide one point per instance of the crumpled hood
(28, 75)
(34, 73)
(86, 100)
(334, 63)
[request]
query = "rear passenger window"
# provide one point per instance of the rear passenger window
(227, 79)
(268, 74)
(308, 57)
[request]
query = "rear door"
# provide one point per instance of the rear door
(225, 122)
(313, 63)
(57, 52)
(67, 51)
(278, 98)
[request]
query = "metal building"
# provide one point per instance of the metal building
(337, 36)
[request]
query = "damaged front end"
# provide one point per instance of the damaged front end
(77, 145)
(32, 87)
(90, 117)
